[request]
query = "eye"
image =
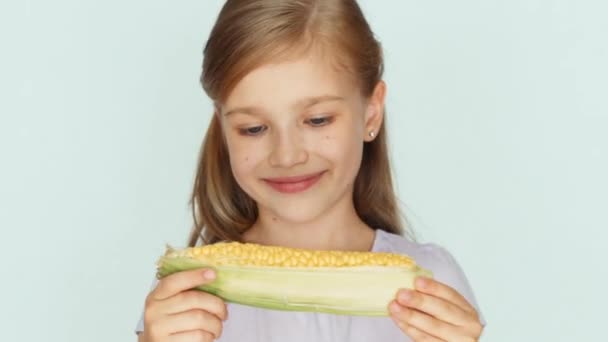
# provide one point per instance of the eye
(320, 121)
(252, 131)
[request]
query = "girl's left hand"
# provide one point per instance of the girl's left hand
(435, 312)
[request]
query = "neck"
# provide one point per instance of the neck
(338, 229)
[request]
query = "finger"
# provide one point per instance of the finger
(193, 320)
(191, 336)
(423, 322)
(434, 306)
(181, 281)
(418, 335)
(189, 300)
(440, 290)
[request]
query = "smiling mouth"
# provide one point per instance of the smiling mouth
(294, 184)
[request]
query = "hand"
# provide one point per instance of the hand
(435, 312)
(175, 313)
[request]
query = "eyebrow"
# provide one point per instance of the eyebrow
(303, 103)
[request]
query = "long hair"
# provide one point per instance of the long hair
(250, 33)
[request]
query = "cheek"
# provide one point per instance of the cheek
(244, 157)
(343, 148)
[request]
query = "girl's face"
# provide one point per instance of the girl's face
(295, 134)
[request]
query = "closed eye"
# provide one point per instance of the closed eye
(252, 131)
(320, 121)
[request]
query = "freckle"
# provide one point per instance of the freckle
(274, 218)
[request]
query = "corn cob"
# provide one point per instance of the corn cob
(280, 278)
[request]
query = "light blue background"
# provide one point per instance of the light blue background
(498, 122)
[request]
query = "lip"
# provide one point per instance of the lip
(294, 184)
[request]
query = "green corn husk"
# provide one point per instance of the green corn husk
(353, 287)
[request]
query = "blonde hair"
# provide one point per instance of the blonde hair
(249, 33)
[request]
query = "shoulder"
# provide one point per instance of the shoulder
(433, 257)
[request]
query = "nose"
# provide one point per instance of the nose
(287, 150)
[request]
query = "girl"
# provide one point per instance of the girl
(296, 155)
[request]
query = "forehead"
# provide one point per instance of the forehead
(281, 84)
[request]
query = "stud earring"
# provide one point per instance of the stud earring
(372, 134)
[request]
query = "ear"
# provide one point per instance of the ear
(374, 113)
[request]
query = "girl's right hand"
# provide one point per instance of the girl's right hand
(174, 312)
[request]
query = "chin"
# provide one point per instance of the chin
(294, 212)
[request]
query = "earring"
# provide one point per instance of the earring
(372, 134)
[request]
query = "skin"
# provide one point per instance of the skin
(435, 312)
(289, 119)
(175, 313)
(288, 134)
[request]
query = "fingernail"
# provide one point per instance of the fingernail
(405, 296)
(209, 274)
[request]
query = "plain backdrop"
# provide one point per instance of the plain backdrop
(498, 122)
